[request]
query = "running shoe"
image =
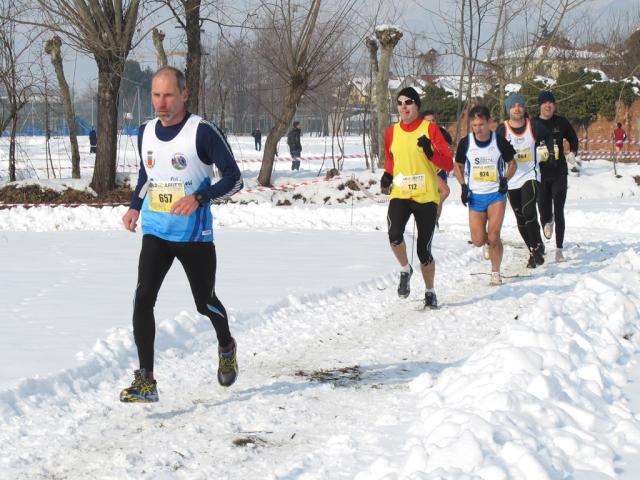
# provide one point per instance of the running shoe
(538, 254)
(404, 287)
(486, 251)
(547, 229)
(495, 279)
(227, 366)
(559, 256)
(430, 300)
(142, 390)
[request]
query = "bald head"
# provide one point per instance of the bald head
(177, 75)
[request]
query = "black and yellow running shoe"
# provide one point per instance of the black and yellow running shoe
(227, 366)
(142, 390)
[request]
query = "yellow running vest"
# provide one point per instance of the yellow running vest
(414, 176)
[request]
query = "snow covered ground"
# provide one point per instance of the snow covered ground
(339, 378)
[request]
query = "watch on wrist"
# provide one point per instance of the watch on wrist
(199, 198)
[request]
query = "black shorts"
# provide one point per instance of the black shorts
(400, 210)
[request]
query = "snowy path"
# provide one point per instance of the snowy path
(442, 391)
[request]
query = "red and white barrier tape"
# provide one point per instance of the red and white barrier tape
(595, 154)
(4, 206)
(309, 157)
(608, 140)
(289, 186)
(286, 187)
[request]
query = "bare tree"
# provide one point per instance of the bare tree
(16, 76)
(372, 48)
(187, 14)
(105, 30)
(300, 45)
(161, 55)
(53, 49)
(388, 37)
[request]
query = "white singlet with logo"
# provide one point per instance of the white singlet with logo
(174, 170)
(483, 168)
(525, 147)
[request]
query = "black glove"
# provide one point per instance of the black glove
(465, 194)
(551, 161)
(504, 185)
(425, 144)
(385, 181)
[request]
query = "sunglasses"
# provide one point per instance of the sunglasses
(405, 102)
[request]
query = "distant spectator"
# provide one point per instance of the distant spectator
(257, 136)
(93, 140)
(295, 148)
(619, 136)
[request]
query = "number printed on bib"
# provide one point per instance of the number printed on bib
(413, 185)
(523, 156)
(485, 173)
(162, 195)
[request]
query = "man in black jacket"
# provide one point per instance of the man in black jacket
(295, 148)
(553, 187)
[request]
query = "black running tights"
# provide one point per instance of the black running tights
(523, 203)
(553, 193)
(199, 262)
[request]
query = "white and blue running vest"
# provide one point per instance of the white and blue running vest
(484, 166)
(525, 147)
(176, 162)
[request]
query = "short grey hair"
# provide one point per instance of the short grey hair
(180, 78)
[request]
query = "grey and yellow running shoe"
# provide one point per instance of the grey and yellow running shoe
(142, 390)
(227, 366)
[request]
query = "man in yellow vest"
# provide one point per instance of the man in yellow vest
(415, 151)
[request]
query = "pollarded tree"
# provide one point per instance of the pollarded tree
(104, 30)
(388, 37)
(53, 49)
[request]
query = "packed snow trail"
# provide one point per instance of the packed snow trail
(522, 381)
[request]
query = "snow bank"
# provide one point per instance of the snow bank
(541, 401)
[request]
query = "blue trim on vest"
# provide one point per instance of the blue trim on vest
(194, 232)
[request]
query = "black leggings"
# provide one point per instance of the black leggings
(553, 193)
(523, 203)
(425, 215)
(199, 262)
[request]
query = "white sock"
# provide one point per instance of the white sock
(406, 268)
(429, 290)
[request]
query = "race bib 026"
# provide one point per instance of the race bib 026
(162, 195)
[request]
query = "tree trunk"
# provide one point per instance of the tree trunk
(104, 173)
(161, 55)
(12, 146)
(297, 88)
(501, 94)
(388, 39)
(372, 46)
(53, 50)
(194, 53)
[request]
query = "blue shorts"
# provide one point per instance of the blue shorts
(480, 202)
(443, 175)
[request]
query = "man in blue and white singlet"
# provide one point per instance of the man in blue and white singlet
(480, 168)
(174, 192)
